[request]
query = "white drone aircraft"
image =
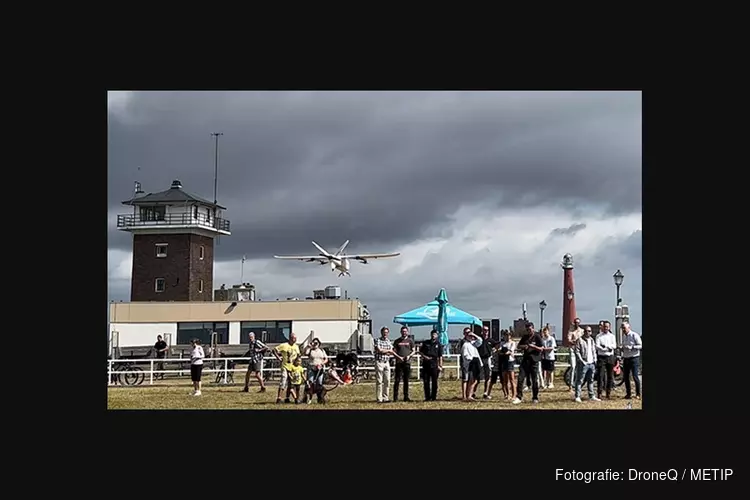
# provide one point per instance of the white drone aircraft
(338, 260)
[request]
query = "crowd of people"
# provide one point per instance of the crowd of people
(481, 359)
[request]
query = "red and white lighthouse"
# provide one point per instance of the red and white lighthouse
(569, 296)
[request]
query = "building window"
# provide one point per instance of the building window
(150, 214)
(161, 249)
(200, 286)
(274, 332)
(189, 331)
(201, 252)
(160, 285)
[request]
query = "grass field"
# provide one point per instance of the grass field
(361, 396)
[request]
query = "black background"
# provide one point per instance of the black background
(690, 416)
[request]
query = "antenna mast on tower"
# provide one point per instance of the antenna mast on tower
(137, 190)
(216, 164)
(216, 178)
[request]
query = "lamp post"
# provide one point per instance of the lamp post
(542, 307)
(618, 277)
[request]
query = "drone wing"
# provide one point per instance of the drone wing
(364, 257)
(305, 258)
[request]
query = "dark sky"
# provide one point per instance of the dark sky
(483, 192)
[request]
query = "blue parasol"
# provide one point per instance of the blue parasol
(439, 313)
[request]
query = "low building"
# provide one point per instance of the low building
(335, 322)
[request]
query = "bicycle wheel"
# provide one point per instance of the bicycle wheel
(140, 375)
(130, 377)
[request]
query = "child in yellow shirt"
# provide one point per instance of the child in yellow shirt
(296, 378)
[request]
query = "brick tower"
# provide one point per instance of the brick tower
(569, 297)
(173, 244)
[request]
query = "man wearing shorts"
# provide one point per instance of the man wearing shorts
(471, 364)
(286, 353)
(255, 352)
(196, 365)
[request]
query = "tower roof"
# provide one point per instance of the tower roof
(172, 196)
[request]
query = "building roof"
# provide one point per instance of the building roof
(172, 196)
(202, 312)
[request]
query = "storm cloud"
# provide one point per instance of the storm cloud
(481, 191)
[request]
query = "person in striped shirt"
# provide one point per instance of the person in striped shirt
(256, 350)
(383, 353)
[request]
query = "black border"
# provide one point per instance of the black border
(681, 423)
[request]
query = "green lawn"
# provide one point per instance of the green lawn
(175, 394)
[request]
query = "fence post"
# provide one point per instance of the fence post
(151, 373)
(181, 372)
(419, 358)
(109, 372)
(226, 360)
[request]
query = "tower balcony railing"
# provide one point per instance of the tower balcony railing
(129, 221)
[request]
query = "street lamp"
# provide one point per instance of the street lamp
(542, 306)
(570, 294)
(618, 277)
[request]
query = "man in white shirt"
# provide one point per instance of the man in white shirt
(585, 352)
(631, 354)
(605, 360)
(575, 333)
(471, 364)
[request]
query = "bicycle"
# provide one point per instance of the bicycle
(230, 373)
(127, 373)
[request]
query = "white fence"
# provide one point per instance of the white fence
(225, 370)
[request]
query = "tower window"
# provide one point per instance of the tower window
(161, 249)
(200, 286)
(160, 285)
(201, 252)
